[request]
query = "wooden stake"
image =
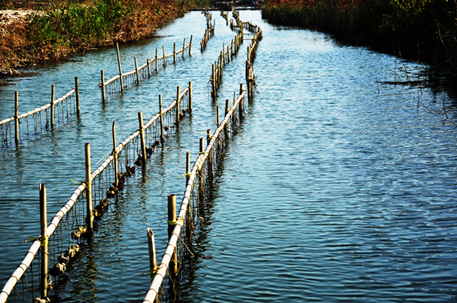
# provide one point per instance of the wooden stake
(149, 67)
(187, 166)
(217, 116)
(162, 135)
(116, 168)
(174, 52)
(241, 88)
(77, 95)
(143, 144)
(90, 216)
(210, 158)
(190, 45)
(171, 225)
(213, 81)
(16, 116)
(183, 48)
(137, 73)
(103, 86)
(164, 59)
(152, 252)
(52, 105)
(227, 105)
(44, 244)
(120, 66)
(190, 96)
(178, 99)
(202, 146)
(157, 60)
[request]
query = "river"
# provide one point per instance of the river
(339, 187)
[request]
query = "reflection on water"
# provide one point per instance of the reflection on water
(338, 187)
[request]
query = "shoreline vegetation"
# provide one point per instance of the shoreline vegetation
(420, 30)
(55, 29)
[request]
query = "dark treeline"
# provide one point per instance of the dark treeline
(422, 30)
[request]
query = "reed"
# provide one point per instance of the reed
(421, 30)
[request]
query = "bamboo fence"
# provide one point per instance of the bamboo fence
(60, 241)
(209, 31)
(40, 119)
(225, 57)
(124, 80)
(198, 188)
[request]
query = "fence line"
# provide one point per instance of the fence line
(73, 223)
(124, 80)
(252, 48)
(225, 57)
(201, 175)
(209, 31)
(34, 121)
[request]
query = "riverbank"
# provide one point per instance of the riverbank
(421, 30)
(30, 36)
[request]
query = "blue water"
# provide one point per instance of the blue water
(338, 187)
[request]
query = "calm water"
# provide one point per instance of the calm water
(338, 188)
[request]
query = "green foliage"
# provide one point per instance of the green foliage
(70, 25)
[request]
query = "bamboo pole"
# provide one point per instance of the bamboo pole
(227, 106)
(210, 158)
(178, 99)
(162, 135)
(116, 168)
(190, 45)
(143, 144)
(217, 116)
(152, 252)
(183, 47)
(136, 70)
(241, 88)
(53, 93)
(173, 269)
(103, 86)
(213, 81)
(120, 66)
(190, 96)
(90, 216)
(157, 60)
(149, 67)
(164, 59)
(189, 225)
(44, 244)
(16, 116)
(77, 95)
(174, 52)
(187, 166)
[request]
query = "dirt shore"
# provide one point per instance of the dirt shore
(16, 50)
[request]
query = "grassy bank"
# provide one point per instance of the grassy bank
(422, 30)
(63, 27)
